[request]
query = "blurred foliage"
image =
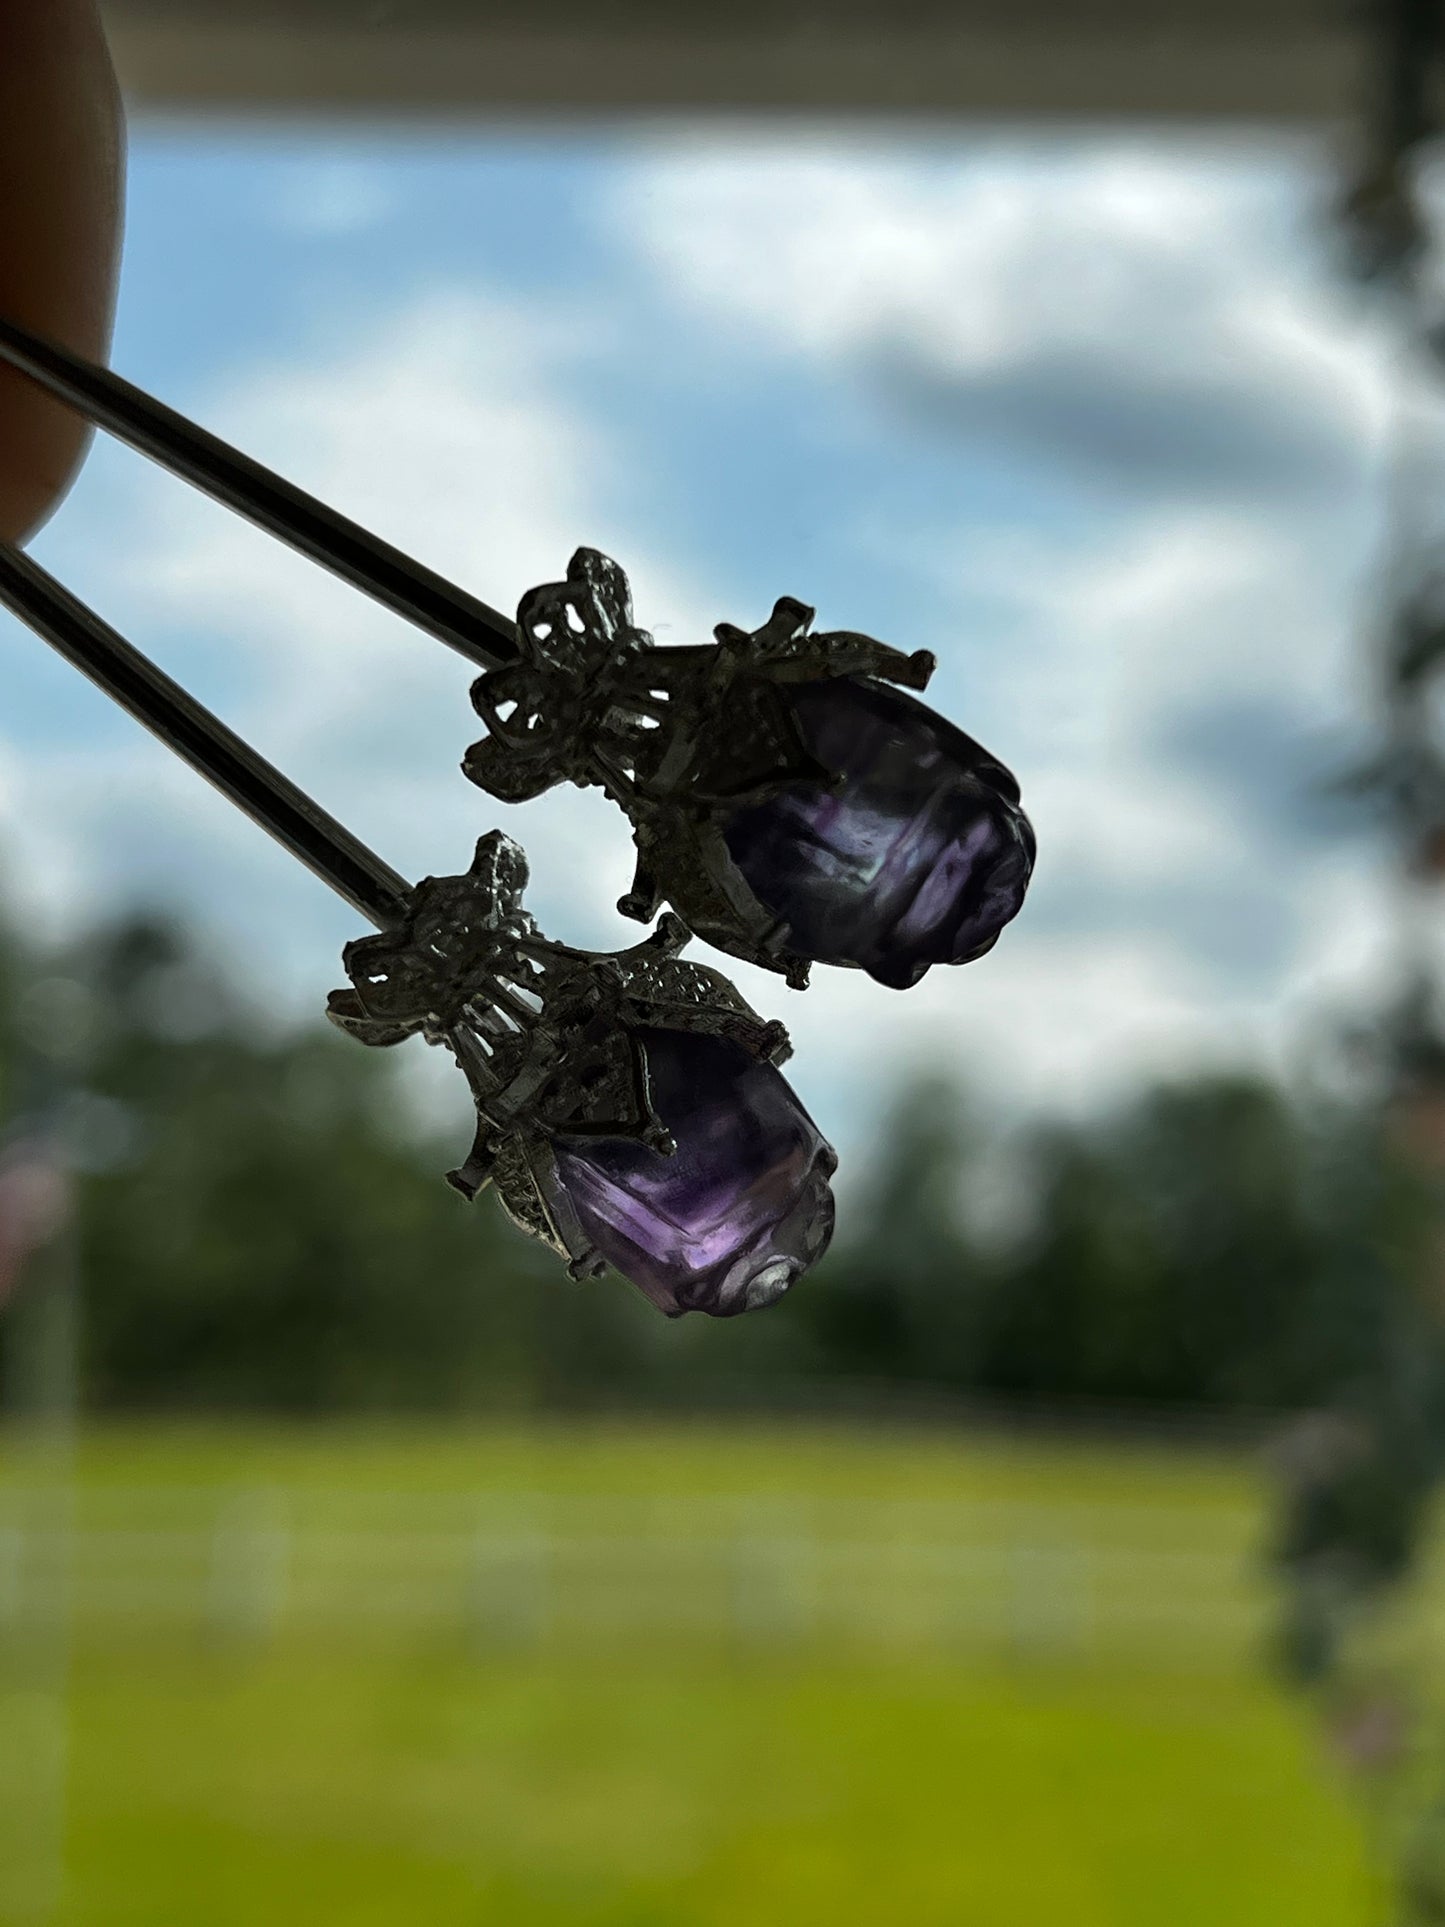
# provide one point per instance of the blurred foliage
(1209, 1244)
(261, 1220)
(262, 1225)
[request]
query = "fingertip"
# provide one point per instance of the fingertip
(61, 169)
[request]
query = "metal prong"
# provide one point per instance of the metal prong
(202, 740)
(474, 630)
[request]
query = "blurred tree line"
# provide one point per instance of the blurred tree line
(261, 1223)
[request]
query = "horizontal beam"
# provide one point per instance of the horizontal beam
(1274, 61)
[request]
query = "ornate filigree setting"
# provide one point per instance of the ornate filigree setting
(549, 1038)
(680, 738)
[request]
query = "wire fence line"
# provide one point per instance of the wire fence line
(265, 1565)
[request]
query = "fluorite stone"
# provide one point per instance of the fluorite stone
(742, 1208)
(919, 855)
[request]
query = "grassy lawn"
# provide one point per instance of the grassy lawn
(686, 1784)
(602, 1457)
(428, 1790)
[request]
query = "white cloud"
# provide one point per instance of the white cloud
(447, 426)
(993, 256)
(1072, 273)
(441, 431)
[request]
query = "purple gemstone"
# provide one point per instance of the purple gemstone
(920, 856)
(739, 1212)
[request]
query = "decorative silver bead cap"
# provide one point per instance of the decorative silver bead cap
(629, 1109)
(683, 739)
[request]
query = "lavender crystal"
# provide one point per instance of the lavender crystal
(739, 1212)
(919, 855)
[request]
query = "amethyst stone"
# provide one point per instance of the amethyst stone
(739, 1212)
(919, 855)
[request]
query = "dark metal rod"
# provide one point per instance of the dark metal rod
(201, 739)
(481, 634)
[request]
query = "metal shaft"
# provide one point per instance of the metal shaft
(201, 739)
(481, 634)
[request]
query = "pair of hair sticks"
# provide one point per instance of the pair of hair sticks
(787, 798)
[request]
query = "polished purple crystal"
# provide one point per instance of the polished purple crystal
(741, 1209)
(919, 855)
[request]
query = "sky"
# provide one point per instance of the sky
(1099, 420)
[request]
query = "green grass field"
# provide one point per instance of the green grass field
(344, 1769)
